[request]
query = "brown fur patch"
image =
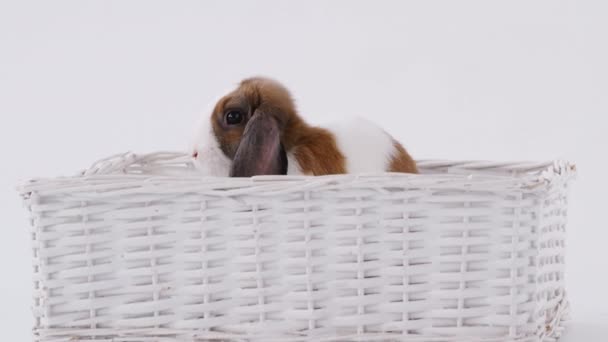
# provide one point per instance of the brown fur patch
(402, 161)
(315, 150)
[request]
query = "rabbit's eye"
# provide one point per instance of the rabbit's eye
(234, 117)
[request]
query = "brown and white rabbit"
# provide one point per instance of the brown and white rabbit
(256, 130)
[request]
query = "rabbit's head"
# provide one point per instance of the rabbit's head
(242, 137)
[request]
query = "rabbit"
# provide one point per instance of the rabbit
(256, 130)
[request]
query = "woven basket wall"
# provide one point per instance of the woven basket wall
(140, 248)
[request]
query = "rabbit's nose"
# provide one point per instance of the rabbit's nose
(195, 154)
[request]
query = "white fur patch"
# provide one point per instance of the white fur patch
(366, 146)
(211, 161)
(293, 167)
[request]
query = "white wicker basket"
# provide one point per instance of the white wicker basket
(140, 248)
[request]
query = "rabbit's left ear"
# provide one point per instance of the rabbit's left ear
(260, 151)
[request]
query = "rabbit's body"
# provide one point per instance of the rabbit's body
(364, 147)
(255, 130)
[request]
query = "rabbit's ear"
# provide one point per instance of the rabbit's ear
(260, 151)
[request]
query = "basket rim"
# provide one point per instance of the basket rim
(111, 170)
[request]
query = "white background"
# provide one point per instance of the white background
(499, 80)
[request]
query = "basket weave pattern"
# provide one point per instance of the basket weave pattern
(140, 248)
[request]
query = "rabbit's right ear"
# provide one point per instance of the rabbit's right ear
(260, 151)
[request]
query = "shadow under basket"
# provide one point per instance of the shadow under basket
(142, 248)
